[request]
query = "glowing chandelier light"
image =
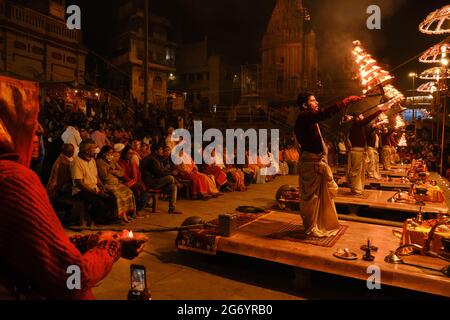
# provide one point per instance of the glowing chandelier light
(437, 22)
(434, 74)
(436, 53)
(431, 87)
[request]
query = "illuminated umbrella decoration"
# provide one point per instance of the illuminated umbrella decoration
(437, 22)
(371, 75)
(431, 87)
(436, 53)
(433, 74)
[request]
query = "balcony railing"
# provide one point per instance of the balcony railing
(38, 22)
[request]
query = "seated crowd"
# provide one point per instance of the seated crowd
(112, 173)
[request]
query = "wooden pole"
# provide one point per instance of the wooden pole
(146, 24)
(433, 117)
(444, 119)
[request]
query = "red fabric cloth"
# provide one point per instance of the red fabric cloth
(199, 184)
(132, 177)
(34, 245)
(219, 176)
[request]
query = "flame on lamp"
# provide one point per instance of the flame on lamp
(402, 142)
(130, 234)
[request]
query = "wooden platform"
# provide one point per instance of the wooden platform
(394, 183)
(252, 240)
(378, 199)
(395, 171)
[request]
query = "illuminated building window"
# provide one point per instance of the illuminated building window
(157, 83)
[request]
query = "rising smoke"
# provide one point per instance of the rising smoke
(338, 23)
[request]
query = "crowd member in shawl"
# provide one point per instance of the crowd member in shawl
(32, 234)
(88, 187)
(60, 182)
(292, 158)
(215, 169)
(255, 164)
(111, 174)
(234, 174)
(373, 144)
(272, 165)
(156, 177)
(136, 147)
(168, 140)
(145, 150)
(118, 148)
(71, 134)
(249, 171)
(357, 157)
(317, 186)
(203, 186)
(132, 178)
(99, 136)
(284, 167)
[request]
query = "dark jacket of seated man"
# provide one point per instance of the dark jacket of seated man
(152, 169)
(156, 177)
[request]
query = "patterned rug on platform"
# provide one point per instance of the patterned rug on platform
(296, 233)
(205, 240)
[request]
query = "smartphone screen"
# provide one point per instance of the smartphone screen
(138, 278)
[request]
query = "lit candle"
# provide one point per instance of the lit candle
(130, 234)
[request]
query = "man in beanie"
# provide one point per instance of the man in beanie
(316, 179)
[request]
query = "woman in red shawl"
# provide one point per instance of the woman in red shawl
(215, 168)
(132, 177)
(36, 252)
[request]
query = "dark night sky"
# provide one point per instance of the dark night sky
(235, 28)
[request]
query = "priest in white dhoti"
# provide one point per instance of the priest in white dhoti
(373, 144)
(357, 158)
(317, 185)
(387, 153)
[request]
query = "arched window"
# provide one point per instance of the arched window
(157, 83)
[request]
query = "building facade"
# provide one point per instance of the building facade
(35, 43)
(127, 53)
(206, 78)
(289, 53)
